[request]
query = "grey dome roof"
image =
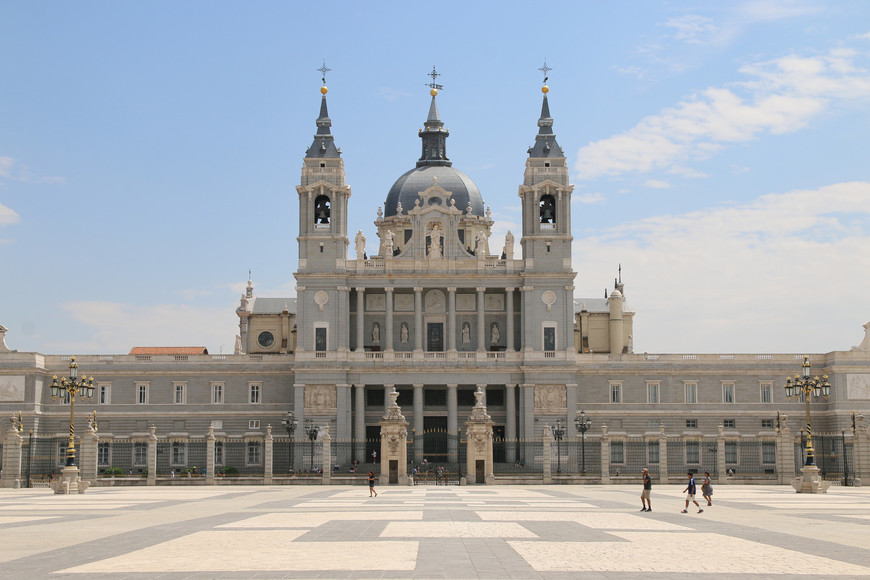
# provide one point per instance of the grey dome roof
(409, 185)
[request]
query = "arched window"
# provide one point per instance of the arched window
(321, 210)
(548, 209)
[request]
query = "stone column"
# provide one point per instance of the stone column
(547, 453)
(482, 335)
(663, 455)
(452, 422)
(451, 318)
(267, 456)
(389, 318)
(527, 427)
(359, 424)
(151, 478)
(510, 424)
(784, 452)
(343, 314)
(605, 455)
(510, 341)
(418, 319)
(12, 459)
(418, 423)
(326, 440)
(478, 433)
(88, 454)
(394, 447)
(209, 456)
(343, 416)
(360, 319)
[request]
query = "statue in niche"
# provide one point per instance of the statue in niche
(482, 245)
(435, 246)
(494, 333)
(388, 242)
(376, 332)
(360, 243)
(403, 332)
(466, 333)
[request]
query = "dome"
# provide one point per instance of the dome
(406, 189)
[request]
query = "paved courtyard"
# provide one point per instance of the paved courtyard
(431, 532)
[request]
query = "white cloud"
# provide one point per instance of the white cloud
(783, 96)
(788, 269)
(691, 27)
(390, 94)
(14, 171)
(657, 184)
(8, 216)
(767, 10)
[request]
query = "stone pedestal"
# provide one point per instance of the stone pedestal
(151, 477)
(478, 433)
(810, 481)
(209, 456)
(70, 481)
(11, 476)
(605, 455)
(326, 466)
(394, 447)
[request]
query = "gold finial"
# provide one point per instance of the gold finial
(545, 89)
(323, 90)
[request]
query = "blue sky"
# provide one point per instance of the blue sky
(149, 154)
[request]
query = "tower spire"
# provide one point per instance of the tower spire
(324, 143)
(545, 141)
(434, 135)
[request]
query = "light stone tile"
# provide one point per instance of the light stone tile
(227, 551)
(456, 530)
(667, 552)
(20, 519)
(596, 520)
(312, 520)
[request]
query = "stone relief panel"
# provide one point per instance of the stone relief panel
(550, 398)
(858, 386)
(465, 302)
(12, 388)
(320, 398)
(435, 302)
(494, 302)
(375, 302)
(404, 302)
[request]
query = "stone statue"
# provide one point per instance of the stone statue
(482, 245)
(466, 333)
(435, 246)
(360, 243)
(388, 242)
(509, 245)
(404, 332)
(376, 332)
(494, 333)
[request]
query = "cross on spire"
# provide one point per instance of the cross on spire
(546, 70)
(433, 85)
(323, 70)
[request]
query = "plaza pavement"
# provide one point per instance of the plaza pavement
(432, 532)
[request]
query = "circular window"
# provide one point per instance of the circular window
(266, 339)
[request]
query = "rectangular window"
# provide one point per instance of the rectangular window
(179, 389)
(104, 390)
(253, 453)
(254, 424)
(615, 392)
(766, 392)
(652, 392)
(731, 452)
(654, 423)
(179, 454)
(320, 339)
(549, 338)
(217, 393)
(652, 451)
(768, 451)
(691, 423)
(219, 452)
(254, 393)
(103, 455)
(142, 393)
(140, 454)
(727, 392)
(767, 423)
(693, 452)
(617, 452)
(729, 423)
(691, 392)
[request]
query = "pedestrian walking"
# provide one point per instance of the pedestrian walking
(646, 506)
(690, 494)
(707, 488)
(372, 484)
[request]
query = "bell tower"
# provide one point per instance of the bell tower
(323, 199)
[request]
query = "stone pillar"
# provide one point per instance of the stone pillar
(663, 455)
(12, 458)
(510, 426)
(452, 422)
(451, 319)
(478, 434)
(389, 318)
(209, 456)
(151, 478)
(88, 453)
(394, 447)
(510, 341)
(267, 456)
(359, 424)
(360, 319)
(605, 455)
(861, 450)
(418, 423)
(326, 476)
(720, 457)
(527, 414)
(547, 453)
(482, 335)
(418, 319)
(784, 452)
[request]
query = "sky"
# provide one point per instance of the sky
(149, 153)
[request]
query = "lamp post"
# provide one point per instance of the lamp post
(290, 423)
(558, 435)
(311, 430)
(803, 385)
(583, 424)
(69, 482)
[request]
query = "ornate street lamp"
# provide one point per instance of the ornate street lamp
(558, 435)
(583, 424)
(311, 430)
(73, 386)
(804, 385)
(290, 423)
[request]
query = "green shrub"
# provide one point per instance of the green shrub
(228, 471)
(113, 471)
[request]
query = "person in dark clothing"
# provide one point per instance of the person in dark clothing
(647, 489)
(690, 495)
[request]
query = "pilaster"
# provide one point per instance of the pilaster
(151, 477)
(267, 456)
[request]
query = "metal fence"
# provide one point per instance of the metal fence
(43, 457)
(833, 455)
(518, 457)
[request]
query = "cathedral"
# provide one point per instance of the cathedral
(436, 308)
